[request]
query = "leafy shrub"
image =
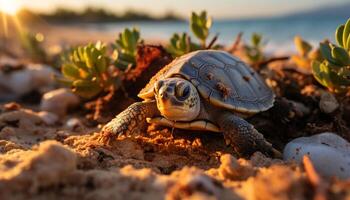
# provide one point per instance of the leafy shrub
(86, 70)
(334, 71)
(305, 53)
(32, 44)
(181, 44)
(126, 48)
(200, 25)
(254, 50)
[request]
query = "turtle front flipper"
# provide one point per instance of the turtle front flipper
(244, 138)
(132, 121)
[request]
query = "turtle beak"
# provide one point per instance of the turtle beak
(163, 90)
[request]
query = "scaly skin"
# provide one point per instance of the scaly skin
(243, 137)
(132, 121)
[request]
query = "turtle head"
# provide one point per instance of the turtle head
(177, 99)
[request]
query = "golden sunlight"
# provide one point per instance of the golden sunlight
(9, 6)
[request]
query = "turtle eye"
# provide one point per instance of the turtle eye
(186, 91)
(182, 90)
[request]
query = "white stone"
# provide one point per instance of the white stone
(329, 153)
(48, 117)
(73, 123)
(16, 83)
(328, 103)
(59, 101)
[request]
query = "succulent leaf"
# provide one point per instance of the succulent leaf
(348, 44)
(302, 46)
(346, 34)
(69, 70)
(101, 64)
(321, 72)
(340, 56)
(86, 89)
(326, 51)
(339, 35)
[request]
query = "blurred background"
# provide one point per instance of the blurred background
(66, 22)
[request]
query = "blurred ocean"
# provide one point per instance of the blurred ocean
(278, 32)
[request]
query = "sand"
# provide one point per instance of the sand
(38, 161)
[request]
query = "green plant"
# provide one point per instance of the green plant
(334, 71)
(181, 44)
(32, 44)
(86, 70)
(200, 25)
(305, 53)
(126, 48)
(302, 46)
(254, 51)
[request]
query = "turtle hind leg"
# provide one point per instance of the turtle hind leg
(244, 138)
(132, 121)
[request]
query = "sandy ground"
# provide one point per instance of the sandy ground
(38, 161)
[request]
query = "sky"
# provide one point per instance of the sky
(216, 8)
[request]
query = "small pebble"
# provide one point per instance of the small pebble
(328, 103)
(329, 153)
(48, 117)
(17, 83)
(74, 124)
(59, 101)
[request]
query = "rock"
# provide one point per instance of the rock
(328, 103)
(18, 82)
(42, 77)
(9, 61)
(300, 109)
(74, 124)
(58, 101)
(329, 153)
(48, 117)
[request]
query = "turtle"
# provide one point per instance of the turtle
(208, 90)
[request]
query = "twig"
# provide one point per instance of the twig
(236, 43)
(213, 41)
(188, 47)
(265, 62)
(316, 181)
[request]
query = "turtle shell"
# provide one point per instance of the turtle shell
(222, 79)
